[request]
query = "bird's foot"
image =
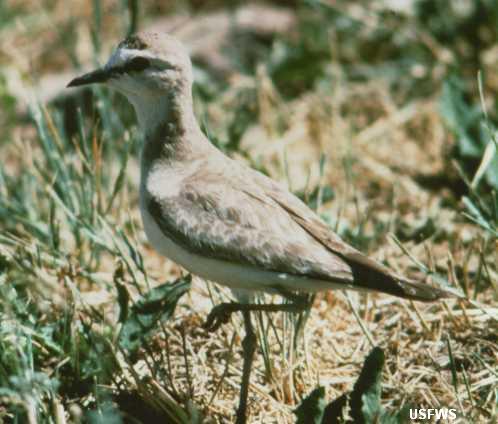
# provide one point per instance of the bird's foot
(219, 315)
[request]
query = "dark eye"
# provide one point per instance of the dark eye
(137, 64)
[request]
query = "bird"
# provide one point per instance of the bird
(219, 218)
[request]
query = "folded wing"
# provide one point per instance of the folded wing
(367, 273)
(249, 219)
(216, 220)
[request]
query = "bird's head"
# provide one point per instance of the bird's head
(145, 64)
(152, 70)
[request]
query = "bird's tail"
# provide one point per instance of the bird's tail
(371, 275)
(423, 292)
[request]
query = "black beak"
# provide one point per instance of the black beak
(97, 76)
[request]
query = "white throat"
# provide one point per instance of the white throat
(151, 111)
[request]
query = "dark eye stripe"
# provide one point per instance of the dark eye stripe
(136, 64)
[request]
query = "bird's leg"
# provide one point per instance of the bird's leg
(248, 347)
(220, 314)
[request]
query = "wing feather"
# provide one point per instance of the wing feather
(367, 273)
(223, 223)
(237, 214)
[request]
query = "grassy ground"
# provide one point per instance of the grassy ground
(375, 116)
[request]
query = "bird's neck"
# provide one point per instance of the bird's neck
(170, 128)
(156, 110)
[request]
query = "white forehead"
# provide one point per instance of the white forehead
(122, 55)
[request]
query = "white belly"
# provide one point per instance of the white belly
(232, 275)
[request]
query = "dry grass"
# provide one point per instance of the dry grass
(384, 161)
